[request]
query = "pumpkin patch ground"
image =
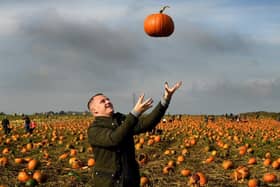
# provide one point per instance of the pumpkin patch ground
(185, 152)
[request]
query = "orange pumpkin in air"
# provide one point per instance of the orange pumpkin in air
(159, 24)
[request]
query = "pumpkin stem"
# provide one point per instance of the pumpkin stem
(163, 8)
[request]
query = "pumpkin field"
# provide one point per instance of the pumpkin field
(185, 151)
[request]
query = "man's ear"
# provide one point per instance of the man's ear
(93, 109)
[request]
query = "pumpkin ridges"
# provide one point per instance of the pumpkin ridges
(165, 28)
(159, 25)
(169, 28)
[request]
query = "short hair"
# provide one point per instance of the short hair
(91, 99)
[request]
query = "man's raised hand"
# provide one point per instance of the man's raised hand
(141, 105)
(168, 92)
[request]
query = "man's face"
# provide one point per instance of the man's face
(101, 106)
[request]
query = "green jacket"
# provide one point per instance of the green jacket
(113, 147)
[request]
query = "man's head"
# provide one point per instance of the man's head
(100, 105)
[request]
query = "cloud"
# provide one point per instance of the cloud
(206, 40)
(90, 36)
(249, 95)
(246, 89)
(58, 47)
(8, 24)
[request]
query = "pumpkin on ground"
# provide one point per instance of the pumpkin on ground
(269, 177)
(39, 176)
(144, 181)
(23, 176)
(253, 182)
(32, 164)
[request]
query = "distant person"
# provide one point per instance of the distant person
(27, 122)
(205, 119)
(111, 136)
(32, 126)
(6, 125)
(179, 117)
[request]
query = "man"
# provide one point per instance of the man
(111, 136)
(6, 125)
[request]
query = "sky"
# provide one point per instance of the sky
(55, 54)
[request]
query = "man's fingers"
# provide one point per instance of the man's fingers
(175, 87)
(166, 85)
(178, 84)
(141, 98)
(148, 101)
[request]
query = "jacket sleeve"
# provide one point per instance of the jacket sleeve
(106, 137)
(149, 121)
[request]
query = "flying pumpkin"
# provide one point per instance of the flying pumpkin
(159, 24)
